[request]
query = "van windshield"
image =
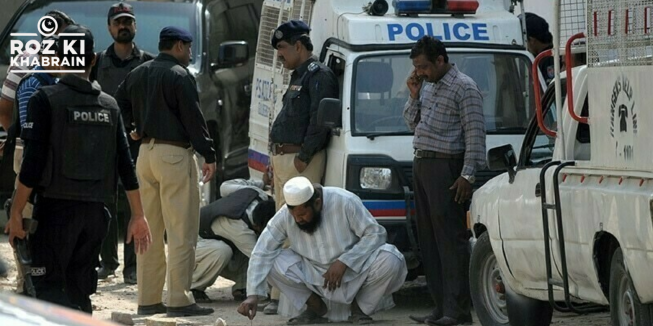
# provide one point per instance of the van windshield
(380, 91)
(151, 17)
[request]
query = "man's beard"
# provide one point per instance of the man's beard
(310, 227)
(124, 37)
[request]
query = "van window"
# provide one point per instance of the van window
(380, 91)
(151, 17)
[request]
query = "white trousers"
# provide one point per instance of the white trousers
(372, 289)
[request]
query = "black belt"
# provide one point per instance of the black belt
(181, 144)
(420, 153)
(280, 149)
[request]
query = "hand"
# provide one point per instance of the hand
(463, 190)
(299, 165)
(134, 135)
(15, 226)
(333, 276)
(139, 231)
(268, 176)
(247, 308)
(208, 170)
(414, 84)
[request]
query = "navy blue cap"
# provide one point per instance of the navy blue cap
(175, 33)
(287, 30)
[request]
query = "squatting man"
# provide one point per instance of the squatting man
(338, 253)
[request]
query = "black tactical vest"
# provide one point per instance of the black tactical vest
(81, 163)
(110, 76)
(233, 206)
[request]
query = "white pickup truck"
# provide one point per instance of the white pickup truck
(569, 225)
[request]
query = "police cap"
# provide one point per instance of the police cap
(175, 33)
(287, 30)
(120, 9)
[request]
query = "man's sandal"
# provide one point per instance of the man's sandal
(360, 319)
(307, 317)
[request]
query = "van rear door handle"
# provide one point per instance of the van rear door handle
(538, 190)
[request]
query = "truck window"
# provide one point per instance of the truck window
(537, 148)
(380, 91)
(151, 17)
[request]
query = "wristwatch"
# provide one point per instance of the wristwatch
(470, 178)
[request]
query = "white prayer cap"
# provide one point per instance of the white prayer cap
(298, 191)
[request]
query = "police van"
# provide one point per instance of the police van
(367, 45)
(225, 35)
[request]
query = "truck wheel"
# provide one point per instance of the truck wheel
(625, 307)
(486, 285)
(525, 311)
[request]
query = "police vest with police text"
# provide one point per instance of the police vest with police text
(234, 206)
(81, 162)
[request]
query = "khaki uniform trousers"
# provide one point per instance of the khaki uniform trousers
(27, 211)
(169, 187)
(284, 170)
(215, 258)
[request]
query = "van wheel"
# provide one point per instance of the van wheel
(625, 307)
(486, 285)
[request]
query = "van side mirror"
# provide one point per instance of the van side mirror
(231, 54)
(502, 158)
(329, 113)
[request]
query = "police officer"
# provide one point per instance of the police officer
(74, 144)
(297, 142)
(160, 100)
(111, 68)
(233, 223)
(540, 39)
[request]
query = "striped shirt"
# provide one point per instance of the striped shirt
(448, 118)
(13, 78)
(27, 89)
(348, 233)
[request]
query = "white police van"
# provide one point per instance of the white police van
(371, 152)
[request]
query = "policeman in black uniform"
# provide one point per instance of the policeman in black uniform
(75, 142)
(111, 67)
(297, 142)
(540, 39)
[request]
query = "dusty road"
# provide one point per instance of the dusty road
(113, 295)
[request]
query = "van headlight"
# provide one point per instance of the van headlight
(375, 178)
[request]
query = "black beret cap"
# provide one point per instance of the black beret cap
(287, 30)
(538, 28)
(175, 33)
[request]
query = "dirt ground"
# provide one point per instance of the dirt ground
(113, 295)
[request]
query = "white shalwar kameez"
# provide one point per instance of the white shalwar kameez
(348, 233)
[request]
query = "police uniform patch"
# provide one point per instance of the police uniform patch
(313, 67)
(81, 116)
(550, 71)
(278, 34)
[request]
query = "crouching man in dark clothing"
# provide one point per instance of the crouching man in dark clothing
(75, 143)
